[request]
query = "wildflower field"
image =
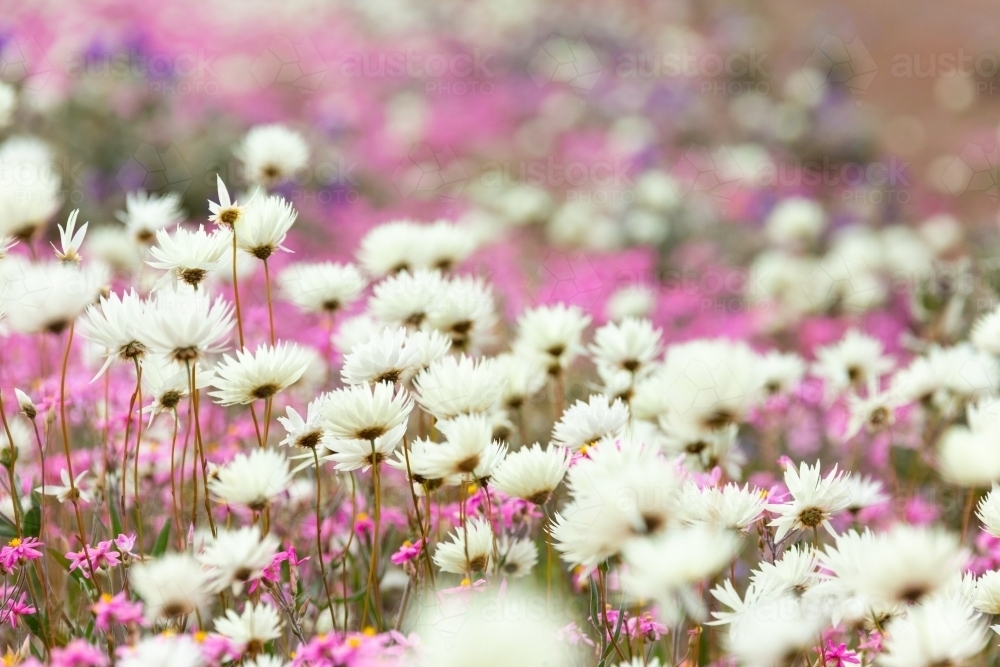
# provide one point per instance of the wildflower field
(519, 333)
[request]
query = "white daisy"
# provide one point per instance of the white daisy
(815, 499)
(257, 625)
(189, 256)
(173, 586)
(322, 287)
(235, 557)
(257, 376)
(469, 549)
(457, 385)
(264, 225)
(145, 214)
(252, 480)
(272, 154)
(532, 473)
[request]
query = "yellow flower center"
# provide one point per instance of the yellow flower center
(105, 597)
(354, 642)
(200, 636)
(369, 631)
(466, 582)
(16, 542)
(362, 516)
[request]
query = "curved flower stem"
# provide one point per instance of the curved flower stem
(347, 547)
(270, 307)
(173, 485)
(416, 509)
(236, 293)
(373, 584)
(73, 492)
(319, 539)
(128, 432)
(200, 449)
(15, 500)
(135, 468)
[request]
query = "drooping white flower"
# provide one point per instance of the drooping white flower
(68, 491)
(187, 325)
(263, 226)
(235, 557)
(988, 511)
(532, 473)
(518, 557)
(187, 255)
(173, 586)
(258, 624)
(945, 630)
(469, 548)
(306, 433)
(630, 345)
(163, 650)
(366, 423)
(586, 423)
(554, 333)
(729, 506)
(115, 324)
(323, 287)
(145, 214)
(272, 154)
(856, 359)
(406, 298)
(49, 297)
(252, 480)
(261, 375)
(457, 385)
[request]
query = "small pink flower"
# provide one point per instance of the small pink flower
(97, 556)
(78, 653)
(407, 552)
(14, 609)
(19, 551)
(117, 609)
(839, 654)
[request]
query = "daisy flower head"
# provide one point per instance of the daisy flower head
(253, 480)
(258, 376)
(945, 630)
(855, 360)
(814, 500)
(70, 239)
(554, 333)
(457, 385)
(518, 557)
(188, 255)
(264, 225)
(710, 384)
(367, 412)
(187, 325)
(272, 154)
(323, 287)
(227, 212)
(630, 345)
(115, 324)
(387, 357)
(988, 511)
(145, 214)
(782, 372)
(406, 298)
(235, 557)
(663, 568)
(70, 490)
(307, 433)
(469, 548)
(173, 586)
(532, 473)
(48, 297)
(258, 624)
(468, 452)
(465, 311)
(163, 650)
(584, 424)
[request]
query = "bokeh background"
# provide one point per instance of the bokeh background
(600, 127)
